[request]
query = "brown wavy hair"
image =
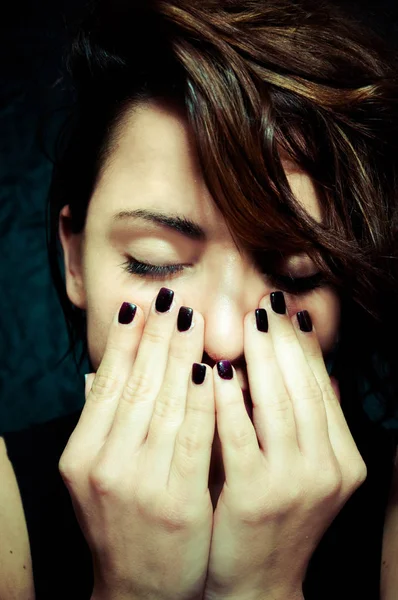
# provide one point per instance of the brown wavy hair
(259, 80)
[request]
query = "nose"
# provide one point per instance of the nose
(224, 311)
(223, 336)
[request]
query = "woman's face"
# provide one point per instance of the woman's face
(153, 167)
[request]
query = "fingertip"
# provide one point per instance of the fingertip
(126, 314)
(224, 369)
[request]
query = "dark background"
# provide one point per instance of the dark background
(33, 334)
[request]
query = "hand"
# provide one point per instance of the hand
(288, 474)
(137, 463)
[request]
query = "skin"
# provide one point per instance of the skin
(153, 165)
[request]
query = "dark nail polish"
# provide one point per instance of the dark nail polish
(127, 313)
(224, 369)
(278, 303)
(184, 319)
(164, 300)
(304, 320)
(198, 373)
(261, 319)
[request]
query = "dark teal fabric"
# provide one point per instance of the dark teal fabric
(32, 330)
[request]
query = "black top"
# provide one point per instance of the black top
(346, 564)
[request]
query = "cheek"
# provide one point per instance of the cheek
(99, 319)
(324, 308)
(105, 294)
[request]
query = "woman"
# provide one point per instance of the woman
(226, 205)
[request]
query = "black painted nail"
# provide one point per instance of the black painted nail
(261, 319)
(127, 313)
(198, 373)
(164, 300)
(224, 369)
(184, 319)
(278, 303)
(304, 320)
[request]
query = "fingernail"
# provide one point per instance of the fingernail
(261, 319)
(224, 369)
(278, 303)
(198, 373)
(127, 313)
(164, 300)
(85, 379)
(304, 320)
(184, 320)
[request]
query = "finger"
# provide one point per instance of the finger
(104, 388)
(193, 447)
(242, 458)
(340, 436)
(134, 412)
(301, 384)
(169, 407)
(273, 415)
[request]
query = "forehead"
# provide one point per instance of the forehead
(153, 163)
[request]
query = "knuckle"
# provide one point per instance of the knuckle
(70, 470)
(329, 485)
(139, 386)
(294, 498)
(248, 514)
(105, 384)
(357, 476)
(146, 500)
(310, 391)
(327, 392)
(161, 509)
(153, 334)
(190, 441)
(254, 513)
(167, 402)
(362, 473)
(241, 439)
(172, 516)
(260, 512)
(198, 408)
(102, 481)
(280, 402)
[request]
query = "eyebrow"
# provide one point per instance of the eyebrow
(177, 223)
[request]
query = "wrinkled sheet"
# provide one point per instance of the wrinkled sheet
(33, 335)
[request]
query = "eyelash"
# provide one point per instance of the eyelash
(291, 285)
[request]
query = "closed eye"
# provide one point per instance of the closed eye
(291, 285)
